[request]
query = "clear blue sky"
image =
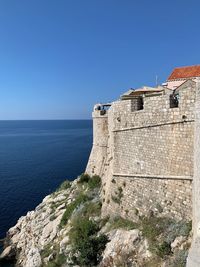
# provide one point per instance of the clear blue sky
(59, 57)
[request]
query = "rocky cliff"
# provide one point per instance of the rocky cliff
(67, 229)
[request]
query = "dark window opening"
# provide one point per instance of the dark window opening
(137, 103)
(140, 103)
(102, 112)
(174, 100)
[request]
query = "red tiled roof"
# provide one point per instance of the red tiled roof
(185, 72)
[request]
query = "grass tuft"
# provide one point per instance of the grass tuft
(82, 198)
(65, 185)
(119, 222)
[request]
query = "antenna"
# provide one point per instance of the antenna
(156, 80)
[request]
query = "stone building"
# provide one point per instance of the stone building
(182, 74)
(147, 150)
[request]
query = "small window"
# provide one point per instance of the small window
(174, 100)
(137, 103)
(102, 112)
(140, 103)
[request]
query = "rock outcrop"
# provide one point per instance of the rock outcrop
(67, 229)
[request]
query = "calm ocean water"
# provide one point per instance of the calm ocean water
(35, 157)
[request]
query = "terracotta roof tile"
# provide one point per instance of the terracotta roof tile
(185, 72)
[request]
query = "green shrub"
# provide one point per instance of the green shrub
(51, 264)
(58, 261)
(71, 207)
(92, 209)
(87, 246)
(65, 185)
(119, 195)
(82, 228)
(84, 178)
(119, 222)
(186, 228)
(180, 258)
(55, 205)
(160, 232)
(152, 227)
(115, 199)
(94, 182)
(163, 250)
(181, 228)
(156, 229)
(46, 251)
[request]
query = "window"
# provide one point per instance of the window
(140, 103)
(174, 100)
(137, 103)
(102, 112)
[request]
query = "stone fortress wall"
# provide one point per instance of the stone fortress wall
(145, 157)
(100, 142)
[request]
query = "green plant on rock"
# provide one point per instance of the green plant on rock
(181, 228)
(152, 228)
(55, 205)
(82, 198)
(180, 258)
(115, 199)
(65, 185)
(87, 246)
(163, 249)
(118, 196)
(52, 217)
(119, 222)
(92, 209)
(59, 260)
(46, 251)
(94, 182)
(161, 231)
(84, 178)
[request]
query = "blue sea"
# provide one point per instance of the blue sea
(35, 157)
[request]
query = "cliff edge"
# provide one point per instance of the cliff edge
(67, 229)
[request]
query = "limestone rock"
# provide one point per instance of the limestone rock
(7, 253)
(33, 258)
(125, 247)
(37, 229)
(178, 242)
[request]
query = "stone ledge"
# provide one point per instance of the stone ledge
(152, 125)
(170, 177)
